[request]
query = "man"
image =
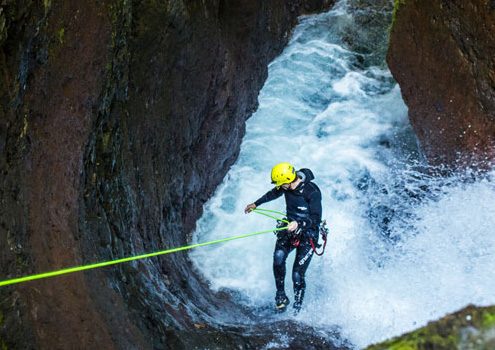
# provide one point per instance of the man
(303, 208)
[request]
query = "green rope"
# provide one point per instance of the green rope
(270, 211)
(119, 261)
(261, 212)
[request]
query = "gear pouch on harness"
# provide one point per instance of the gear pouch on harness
(295, 237)
(280, 223)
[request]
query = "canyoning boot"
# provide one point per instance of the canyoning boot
(298, 299)
(281, 302)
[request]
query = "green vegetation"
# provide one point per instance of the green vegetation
(424, 338)
(397, 4)
(105, 139)
(61, 34)
(488, 320)
(47, 4)
(471, 328)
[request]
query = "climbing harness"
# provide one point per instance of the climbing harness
(295, 238)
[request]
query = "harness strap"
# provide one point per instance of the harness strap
(314, 248)
(295, 241)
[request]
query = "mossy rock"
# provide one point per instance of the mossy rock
(397, 5)
(470, 328)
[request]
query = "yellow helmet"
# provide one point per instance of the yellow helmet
(283, 173)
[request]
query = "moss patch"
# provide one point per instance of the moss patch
(61, 35)
(488, 319)
(105, 140)
(462, 329)
(47, 4)
(397, 4)
(424, 338)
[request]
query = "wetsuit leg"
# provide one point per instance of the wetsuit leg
(303, 258)
(282, 249)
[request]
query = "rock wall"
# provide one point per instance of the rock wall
(367, 33)
(442, 53)
(117, 121)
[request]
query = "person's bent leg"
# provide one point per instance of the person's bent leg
(279, 257)
(280, 254)
(303, 258)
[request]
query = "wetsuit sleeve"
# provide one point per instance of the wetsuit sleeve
(314, 211)
(269, 196)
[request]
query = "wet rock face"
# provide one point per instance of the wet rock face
(367, 33)
(442, 54)
(117, 122)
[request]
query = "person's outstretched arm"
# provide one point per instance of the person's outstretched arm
(274, 193)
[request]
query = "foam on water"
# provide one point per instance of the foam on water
(405, 247)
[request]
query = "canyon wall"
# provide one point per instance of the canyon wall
(442, 53)
(118, 120)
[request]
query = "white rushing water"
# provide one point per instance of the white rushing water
(404, 248)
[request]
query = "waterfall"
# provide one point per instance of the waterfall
(405, 246)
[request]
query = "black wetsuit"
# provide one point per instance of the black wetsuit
(303, 206)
